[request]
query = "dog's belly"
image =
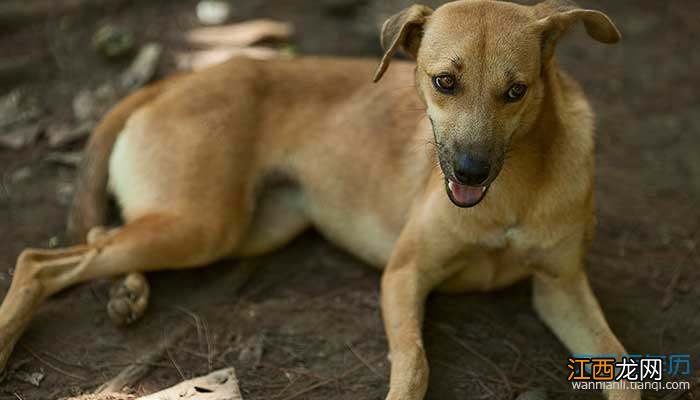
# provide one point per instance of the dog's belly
(134, 194)
(362, 234)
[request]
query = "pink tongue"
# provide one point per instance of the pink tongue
(466, 194)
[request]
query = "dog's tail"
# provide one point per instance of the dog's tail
(90, 204)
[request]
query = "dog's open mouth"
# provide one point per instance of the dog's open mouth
(465, 196)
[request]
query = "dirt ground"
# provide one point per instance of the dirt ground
(306, 325)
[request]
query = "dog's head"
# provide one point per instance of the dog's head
(479, 71)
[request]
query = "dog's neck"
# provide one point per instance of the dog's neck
(547, 142)
(547, 121)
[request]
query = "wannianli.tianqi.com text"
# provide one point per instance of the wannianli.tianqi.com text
(651, 386)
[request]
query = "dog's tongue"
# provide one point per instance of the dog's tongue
(467, 195)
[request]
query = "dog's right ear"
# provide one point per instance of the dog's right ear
(402, 31)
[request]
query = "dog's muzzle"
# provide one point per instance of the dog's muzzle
(465, 196)
(467, 185)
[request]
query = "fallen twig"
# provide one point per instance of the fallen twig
(202, 333)
(363, 360)
(135, 372)
(327, 381)
(177, 367)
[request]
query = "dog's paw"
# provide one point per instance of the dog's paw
(128, 299)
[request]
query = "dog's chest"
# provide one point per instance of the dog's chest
(501, 257)
(513, 242)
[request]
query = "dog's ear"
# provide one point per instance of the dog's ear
(402, 31)
(557, 17)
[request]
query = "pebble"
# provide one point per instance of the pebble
(213, 12)
(64, 193)
(90, 105)
(16, 107)
(20, 137)
(61, 134)
(21, 174)
(33, 378)
(112, 41)
(143, 68)
(68, 159)
(84, 105)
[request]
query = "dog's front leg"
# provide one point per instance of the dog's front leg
(568, 306)
(416, 267)
(403, 298)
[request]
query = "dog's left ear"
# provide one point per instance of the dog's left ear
(402, 31)
(557, 17)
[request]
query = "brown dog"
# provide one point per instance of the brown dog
(238, 159)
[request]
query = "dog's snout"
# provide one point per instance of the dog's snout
(471, 171)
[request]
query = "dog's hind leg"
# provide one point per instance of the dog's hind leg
(151, 242)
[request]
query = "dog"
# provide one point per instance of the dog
(491, 183)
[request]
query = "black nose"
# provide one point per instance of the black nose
(471, 171)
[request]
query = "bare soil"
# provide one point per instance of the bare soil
(307, 324)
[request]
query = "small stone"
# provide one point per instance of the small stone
(64, 192)
(112, 41)
(21, 136)
(143, 68)
(69, 159)
(16, 107)
(689, 244)
(32, 378)
(21, 174)
(213, 12)
(54, 242)
(84, 105)
(90, 105)
(61, 135)
(105, 91)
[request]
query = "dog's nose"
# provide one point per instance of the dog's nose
(471, 171)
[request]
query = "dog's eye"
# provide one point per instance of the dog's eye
(445, 83)
(516, 92)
